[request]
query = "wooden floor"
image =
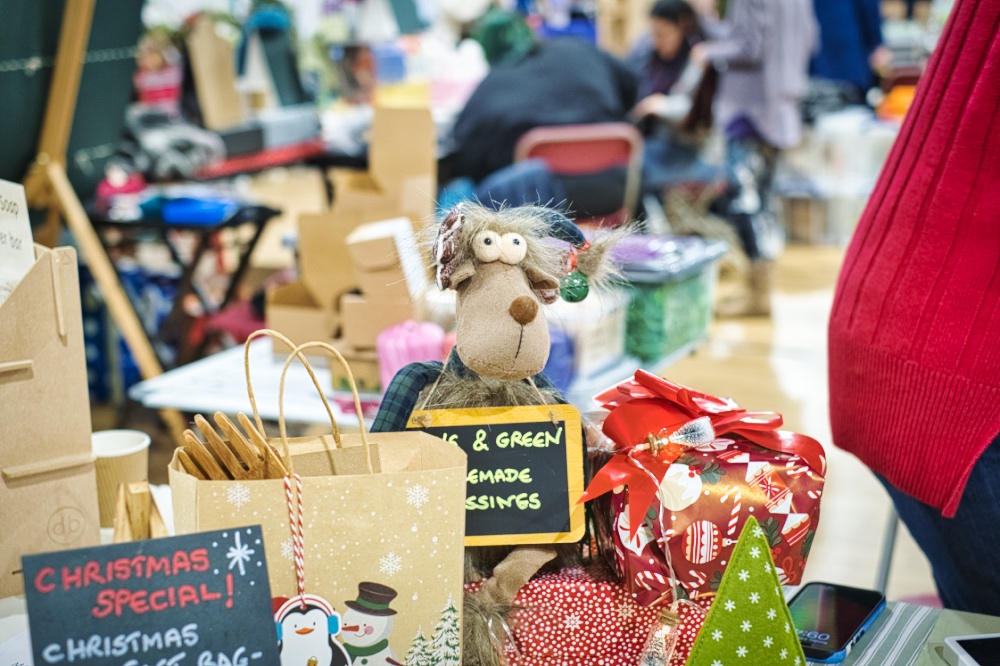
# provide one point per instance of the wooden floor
(780, 364)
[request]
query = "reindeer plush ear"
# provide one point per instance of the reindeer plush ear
(544, 285)
(446, 254)
(589, 261)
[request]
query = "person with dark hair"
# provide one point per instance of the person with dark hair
(668, 80)
(762, 53)
(660, 57)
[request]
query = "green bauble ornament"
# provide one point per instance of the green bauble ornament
(574, 287)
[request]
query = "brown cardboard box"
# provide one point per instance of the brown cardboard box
(364, 366)
(48, 489)
(806, 220)
(402, 169)
(387, 262)
(212, 61)
(400, 182)
(323, 260)
(363, 318)
(292, 310)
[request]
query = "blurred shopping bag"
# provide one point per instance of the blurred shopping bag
(371, 523)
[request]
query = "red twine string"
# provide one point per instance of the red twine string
(295, 523)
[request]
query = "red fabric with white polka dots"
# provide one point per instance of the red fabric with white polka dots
(571, 619)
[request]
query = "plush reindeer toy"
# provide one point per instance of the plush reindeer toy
(504, 265)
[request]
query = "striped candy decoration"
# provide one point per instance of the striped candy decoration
(734, 515)
(650, 580)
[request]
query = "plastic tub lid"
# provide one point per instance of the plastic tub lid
(650, 258)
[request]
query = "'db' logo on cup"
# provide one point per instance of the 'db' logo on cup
(66, 525)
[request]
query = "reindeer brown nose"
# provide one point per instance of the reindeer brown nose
(524, 309)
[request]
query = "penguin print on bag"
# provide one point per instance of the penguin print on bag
(306, 632)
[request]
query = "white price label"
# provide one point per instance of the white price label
(17, 253)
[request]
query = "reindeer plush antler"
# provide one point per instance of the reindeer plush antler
(504, 265)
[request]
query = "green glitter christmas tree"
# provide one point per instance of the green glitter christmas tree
(749, 623)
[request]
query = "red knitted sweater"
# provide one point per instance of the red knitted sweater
(915, 328)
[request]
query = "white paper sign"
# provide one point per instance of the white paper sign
(17, 650)
(17, 253)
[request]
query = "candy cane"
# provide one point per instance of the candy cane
(729, 491)
(699, 578)
(640, 579)
(734, 515)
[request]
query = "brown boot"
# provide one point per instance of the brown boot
(755, 301)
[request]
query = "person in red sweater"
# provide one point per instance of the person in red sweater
(914, 335)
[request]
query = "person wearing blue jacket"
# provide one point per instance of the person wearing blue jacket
(850, 44)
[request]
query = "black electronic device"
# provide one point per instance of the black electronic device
(831, 618)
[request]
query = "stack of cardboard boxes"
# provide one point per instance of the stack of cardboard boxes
(381, 261)
(391, 276)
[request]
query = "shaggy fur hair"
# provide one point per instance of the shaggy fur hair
(483, 631)
(455, 392)
(544, 254)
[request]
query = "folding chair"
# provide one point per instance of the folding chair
(588, 149)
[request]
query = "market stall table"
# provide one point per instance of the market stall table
(218, 384)
(258, 216)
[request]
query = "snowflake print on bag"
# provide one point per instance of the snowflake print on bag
(238, 495)
(390, 564)
(417, 496)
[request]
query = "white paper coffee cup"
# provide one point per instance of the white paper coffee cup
(122, 456)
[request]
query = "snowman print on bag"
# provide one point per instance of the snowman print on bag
(368, 623)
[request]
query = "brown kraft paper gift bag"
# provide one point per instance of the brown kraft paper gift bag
(48, 491)
(382, 531)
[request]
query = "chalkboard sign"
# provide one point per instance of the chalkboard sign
(198, 600)
(525, 471)
(27, 58)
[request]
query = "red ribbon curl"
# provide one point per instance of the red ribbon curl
(649, 405)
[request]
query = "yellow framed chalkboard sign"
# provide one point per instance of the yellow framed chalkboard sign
(525, 475)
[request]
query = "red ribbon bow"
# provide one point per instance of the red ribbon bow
(649, 405)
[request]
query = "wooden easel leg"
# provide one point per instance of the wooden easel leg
(48, 235)
(107, 280)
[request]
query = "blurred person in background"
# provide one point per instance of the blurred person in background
(851, 49)
(761, 51)
(669, 81)
(661, 56)
(566, 81)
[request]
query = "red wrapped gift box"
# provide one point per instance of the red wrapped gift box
(680, 492)
(571, 618)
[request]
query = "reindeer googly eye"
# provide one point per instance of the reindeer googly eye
(513, 248)
(487, 246)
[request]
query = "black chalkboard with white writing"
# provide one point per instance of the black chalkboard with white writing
(525, 473)
(198, 600)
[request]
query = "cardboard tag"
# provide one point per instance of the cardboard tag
(525, 471)
(202, 599)
(17, 252)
